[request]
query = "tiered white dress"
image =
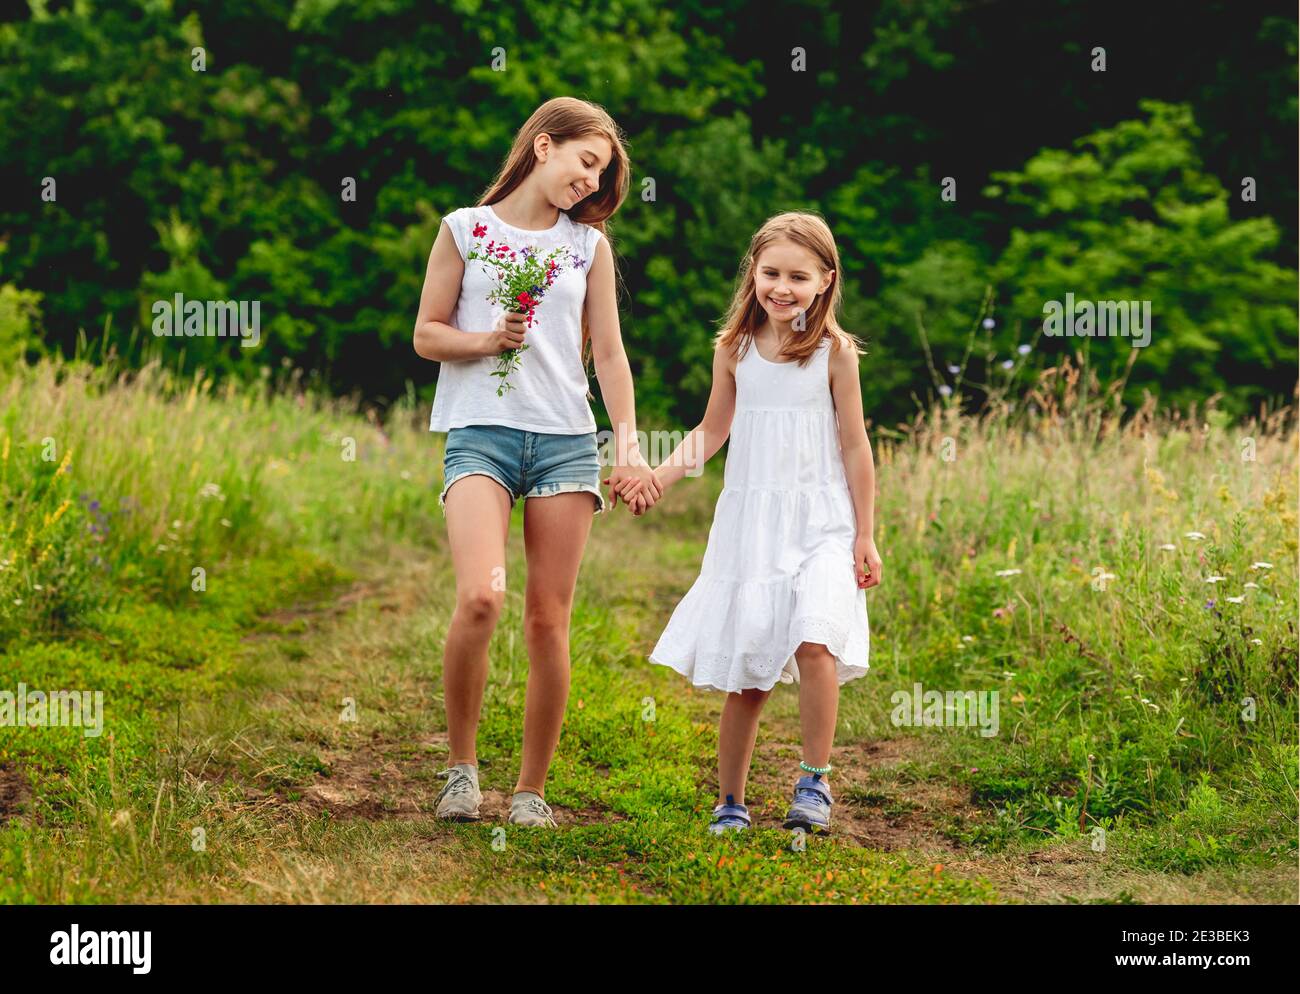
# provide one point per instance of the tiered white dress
(778, 569)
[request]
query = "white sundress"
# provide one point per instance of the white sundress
(778, 569)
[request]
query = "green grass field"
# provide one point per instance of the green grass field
(272, 725)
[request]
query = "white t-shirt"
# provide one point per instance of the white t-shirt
(549, 384)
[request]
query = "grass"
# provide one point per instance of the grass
(273, 725)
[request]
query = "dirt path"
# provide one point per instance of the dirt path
(14, 793)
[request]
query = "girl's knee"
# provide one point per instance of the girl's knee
(813, 654)
(480, 605)
(547, 622)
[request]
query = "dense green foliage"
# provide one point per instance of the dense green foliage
(226, 183)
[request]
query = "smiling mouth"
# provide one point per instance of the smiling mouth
(781, 303)
(576, 192)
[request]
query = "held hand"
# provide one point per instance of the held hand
(638, 504)
(633, 479)
(866, 562)
(507, 333)
(622, 484)
(652, 487)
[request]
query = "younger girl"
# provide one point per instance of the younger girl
(781, 592)
(566, 174)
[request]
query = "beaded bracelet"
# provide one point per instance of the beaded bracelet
(813, 769)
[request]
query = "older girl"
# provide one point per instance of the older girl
(566, 174)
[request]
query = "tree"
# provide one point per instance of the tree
(1130, 214)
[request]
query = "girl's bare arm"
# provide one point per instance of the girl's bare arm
(631, 473)
(859, 463)
(704, 440)
(434, 338)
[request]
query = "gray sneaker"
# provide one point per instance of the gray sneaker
(729, 817)
(527, 808)
(460, 797)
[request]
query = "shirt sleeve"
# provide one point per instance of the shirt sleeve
(593, 241)
(456, 225)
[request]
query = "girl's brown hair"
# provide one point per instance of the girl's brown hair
(564, 119)
(746, 314)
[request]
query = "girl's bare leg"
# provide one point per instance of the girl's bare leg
(819, 698)
(737, 732)
(478, 520)
(556, 529)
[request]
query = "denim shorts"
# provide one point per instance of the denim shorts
(526, 463)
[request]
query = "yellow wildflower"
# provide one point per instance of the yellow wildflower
(52, 518)
(1157, 481)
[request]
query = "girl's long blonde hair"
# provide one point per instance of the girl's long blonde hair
(746, 314)
(564, 119)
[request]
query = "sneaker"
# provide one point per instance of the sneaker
(811, 809)
(460, 797)
(729, 816)
(527, 808)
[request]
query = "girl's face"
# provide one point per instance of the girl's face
(571, 172)
(787, 280)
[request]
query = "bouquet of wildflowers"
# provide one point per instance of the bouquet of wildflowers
(522, 279)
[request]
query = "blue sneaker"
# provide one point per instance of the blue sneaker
(811, 809)
(729, 816)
